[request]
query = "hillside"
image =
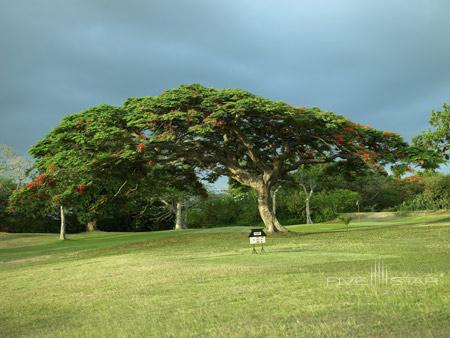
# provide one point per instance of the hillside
(314, 281)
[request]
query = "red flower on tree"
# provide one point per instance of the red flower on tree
(339, 138)
(80, 188)
(165, 135)
(413, 178)
(41, 179)
(388, 134)
(217, 122)
(140, 147)
(152, 163)
(32, 185)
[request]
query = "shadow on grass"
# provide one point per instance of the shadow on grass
(362, 228)
(288, 250)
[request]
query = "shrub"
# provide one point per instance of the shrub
(225, 209)
(436, 195)
(346, 220)
(325, 205)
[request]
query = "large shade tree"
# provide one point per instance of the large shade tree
(254, 140)
(75, 158)
(94, 160)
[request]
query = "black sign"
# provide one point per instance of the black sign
(257, 233)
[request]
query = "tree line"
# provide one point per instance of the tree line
(147, 163)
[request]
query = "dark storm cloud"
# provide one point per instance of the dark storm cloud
(384, 63)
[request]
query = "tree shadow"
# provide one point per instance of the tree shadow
(369, 228)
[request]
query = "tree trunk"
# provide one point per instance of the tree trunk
(179, 217)
(185, 220)
(274, 201)
(307, 202)
(62, 233)
(308, 210)
(266, 213)
(91, 226)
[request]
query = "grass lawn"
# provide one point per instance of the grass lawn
(314, 281)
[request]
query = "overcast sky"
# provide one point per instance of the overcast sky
(382, 63)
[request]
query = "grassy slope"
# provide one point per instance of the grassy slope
(206, 282)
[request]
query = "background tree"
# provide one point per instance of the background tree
(307, 178)
(434, 193)
(255, 141)
(97, 162)
(46, 193)
(7, 186)
(69, 153)
(438, 137)
(13, 166)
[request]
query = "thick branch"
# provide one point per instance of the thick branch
(170, 206)
(241, 175)
(251, 152)
(295, 166)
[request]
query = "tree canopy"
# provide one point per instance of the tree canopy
(254, 140)
(93, 161)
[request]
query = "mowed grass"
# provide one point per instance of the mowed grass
(314, 281)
